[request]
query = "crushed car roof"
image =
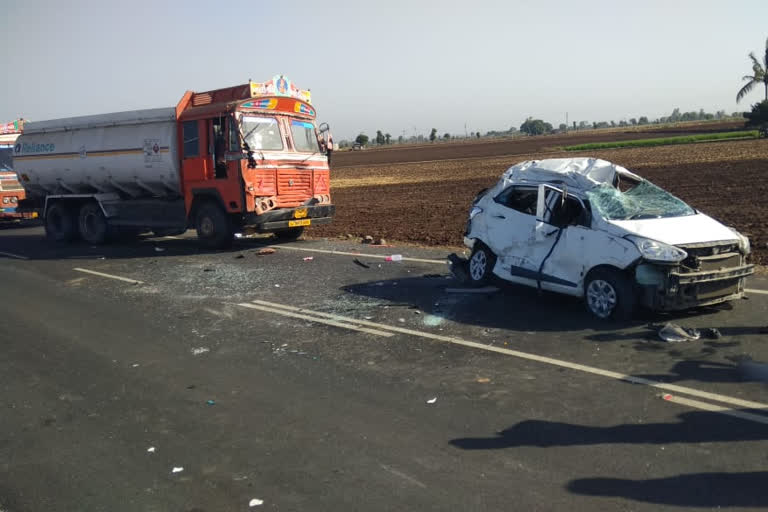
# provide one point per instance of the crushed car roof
(576, 173)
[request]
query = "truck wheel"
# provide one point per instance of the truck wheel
(60, 224)
(213, 226)
(289, 235)
(481, 264)
(608, 294)
(92, 224)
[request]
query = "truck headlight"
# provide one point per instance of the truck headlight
(474, 211)
(652, 250)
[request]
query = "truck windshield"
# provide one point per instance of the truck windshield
(262, 133)
(304, 137)
(643, 201)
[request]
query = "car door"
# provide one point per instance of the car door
(510, 222)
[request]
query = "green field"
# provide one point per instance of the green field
(666, 141)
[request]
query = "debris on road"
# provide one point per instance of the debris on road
(211, 402)
(207, 269)
(432, 400)
(484, 289)
(135, 365)
(394, 257)
(309, 258)
(177, 470)
(483, 380)
(673, 333)
(159, 249)
(265, 251)
(401, 320)
(238, 235)
(255, 502)
(458, 267)
(277, 286)
(200, 350)
(367, 239)
(240, 256)
(360, 263)
(712, 333)
(151, 449)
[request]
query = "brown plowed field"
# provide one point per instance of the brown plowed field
(425, 199)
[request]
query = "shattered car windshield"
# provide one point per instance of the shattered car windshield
(644, 201)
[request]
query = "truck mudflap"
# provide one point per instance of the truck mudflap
(287, 218)
(674, 290)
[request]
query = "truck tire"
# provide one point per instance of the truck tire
(60, 223)
(214, 230)
(92, 224)
(289, 235)
(608, 294)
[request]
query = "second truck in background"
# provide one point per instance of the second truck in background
(243, 158)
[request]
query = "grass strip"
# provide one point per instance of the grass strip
(666, 141)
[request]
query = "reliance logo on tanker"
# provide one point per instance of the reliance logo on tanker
(34, 148)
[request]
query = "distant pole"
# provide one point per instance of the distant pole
(465, 130)
(566, 122)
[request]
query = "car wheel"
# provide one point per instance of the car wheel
(213, 227)
(92, 224)
(60, 223)
(481, 265)
(608, 294)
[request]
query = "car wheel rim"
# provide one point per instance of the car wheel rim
(477, 265)
(601, 298)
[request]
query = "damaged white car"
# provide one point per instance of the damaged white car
(588, 228)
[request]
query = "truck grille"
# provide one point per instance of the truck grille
(293, 187)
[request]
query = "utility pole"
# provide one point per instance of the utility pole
(566, 122)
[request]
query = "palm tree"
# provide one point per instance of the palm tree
(759, 75)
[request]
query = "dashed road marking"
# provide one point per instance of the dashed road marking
(319, 320)
(12, 255)
(733, 401)
(706, 406)
(110, 276)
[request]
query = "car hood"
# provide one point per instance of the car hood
(690, 229)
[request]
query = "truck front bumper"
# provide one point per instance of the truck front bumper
(668, 289)
(289, 218)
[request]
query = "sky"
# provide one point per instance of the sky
(402, 67)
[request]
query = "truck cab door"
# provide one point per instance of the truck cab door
(194, 161)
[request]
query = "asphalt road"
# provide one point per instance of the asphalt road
(385, 391)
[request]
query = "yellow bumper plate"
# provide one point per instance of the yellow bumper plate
(299, 213)
(297, 223)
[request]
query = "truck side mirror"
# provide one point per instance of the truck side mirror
(323, 127)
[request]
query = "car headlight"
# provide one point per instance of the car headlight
(652, 250)
(474, 211)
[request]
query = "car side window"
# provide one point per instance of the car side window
(522, 199)
(562, 213)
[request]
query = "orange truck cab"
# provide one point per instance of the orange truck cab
(11, 191)
(255, 152)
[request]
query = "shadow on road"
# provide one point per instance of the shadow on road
(693, 490)
(693, 427)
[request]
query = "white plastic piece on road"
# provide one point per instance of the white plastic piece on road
(432, 400)
(151, 449)
(309, 258)
(255, 502)
(200, 350)
(159, 249)
(277, 286)
(135, 365)
(177, 470)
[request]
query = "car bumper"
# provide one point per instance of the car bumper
(670, 290)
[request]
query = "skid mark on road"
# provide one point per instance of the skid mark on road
(109, 276)
(15, 256)
(321, 317)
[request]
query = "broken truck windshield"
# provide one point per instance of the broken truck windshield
(261, 133)
(644, 201)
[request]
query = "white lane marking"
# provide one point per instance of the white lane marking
(318, 320)
(358, 254)
(752, 290)
(17, 256)
(403, 476)
(110, 276)
(534, 357)
(716, 408)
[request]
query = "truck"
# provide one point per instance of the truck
(11, 191)
(242, 159)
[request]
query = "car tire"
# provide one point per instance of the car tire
(60, 225)
(92, 224)
(480, 265)
(214, 229)
(289, 235)
(609, 295)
